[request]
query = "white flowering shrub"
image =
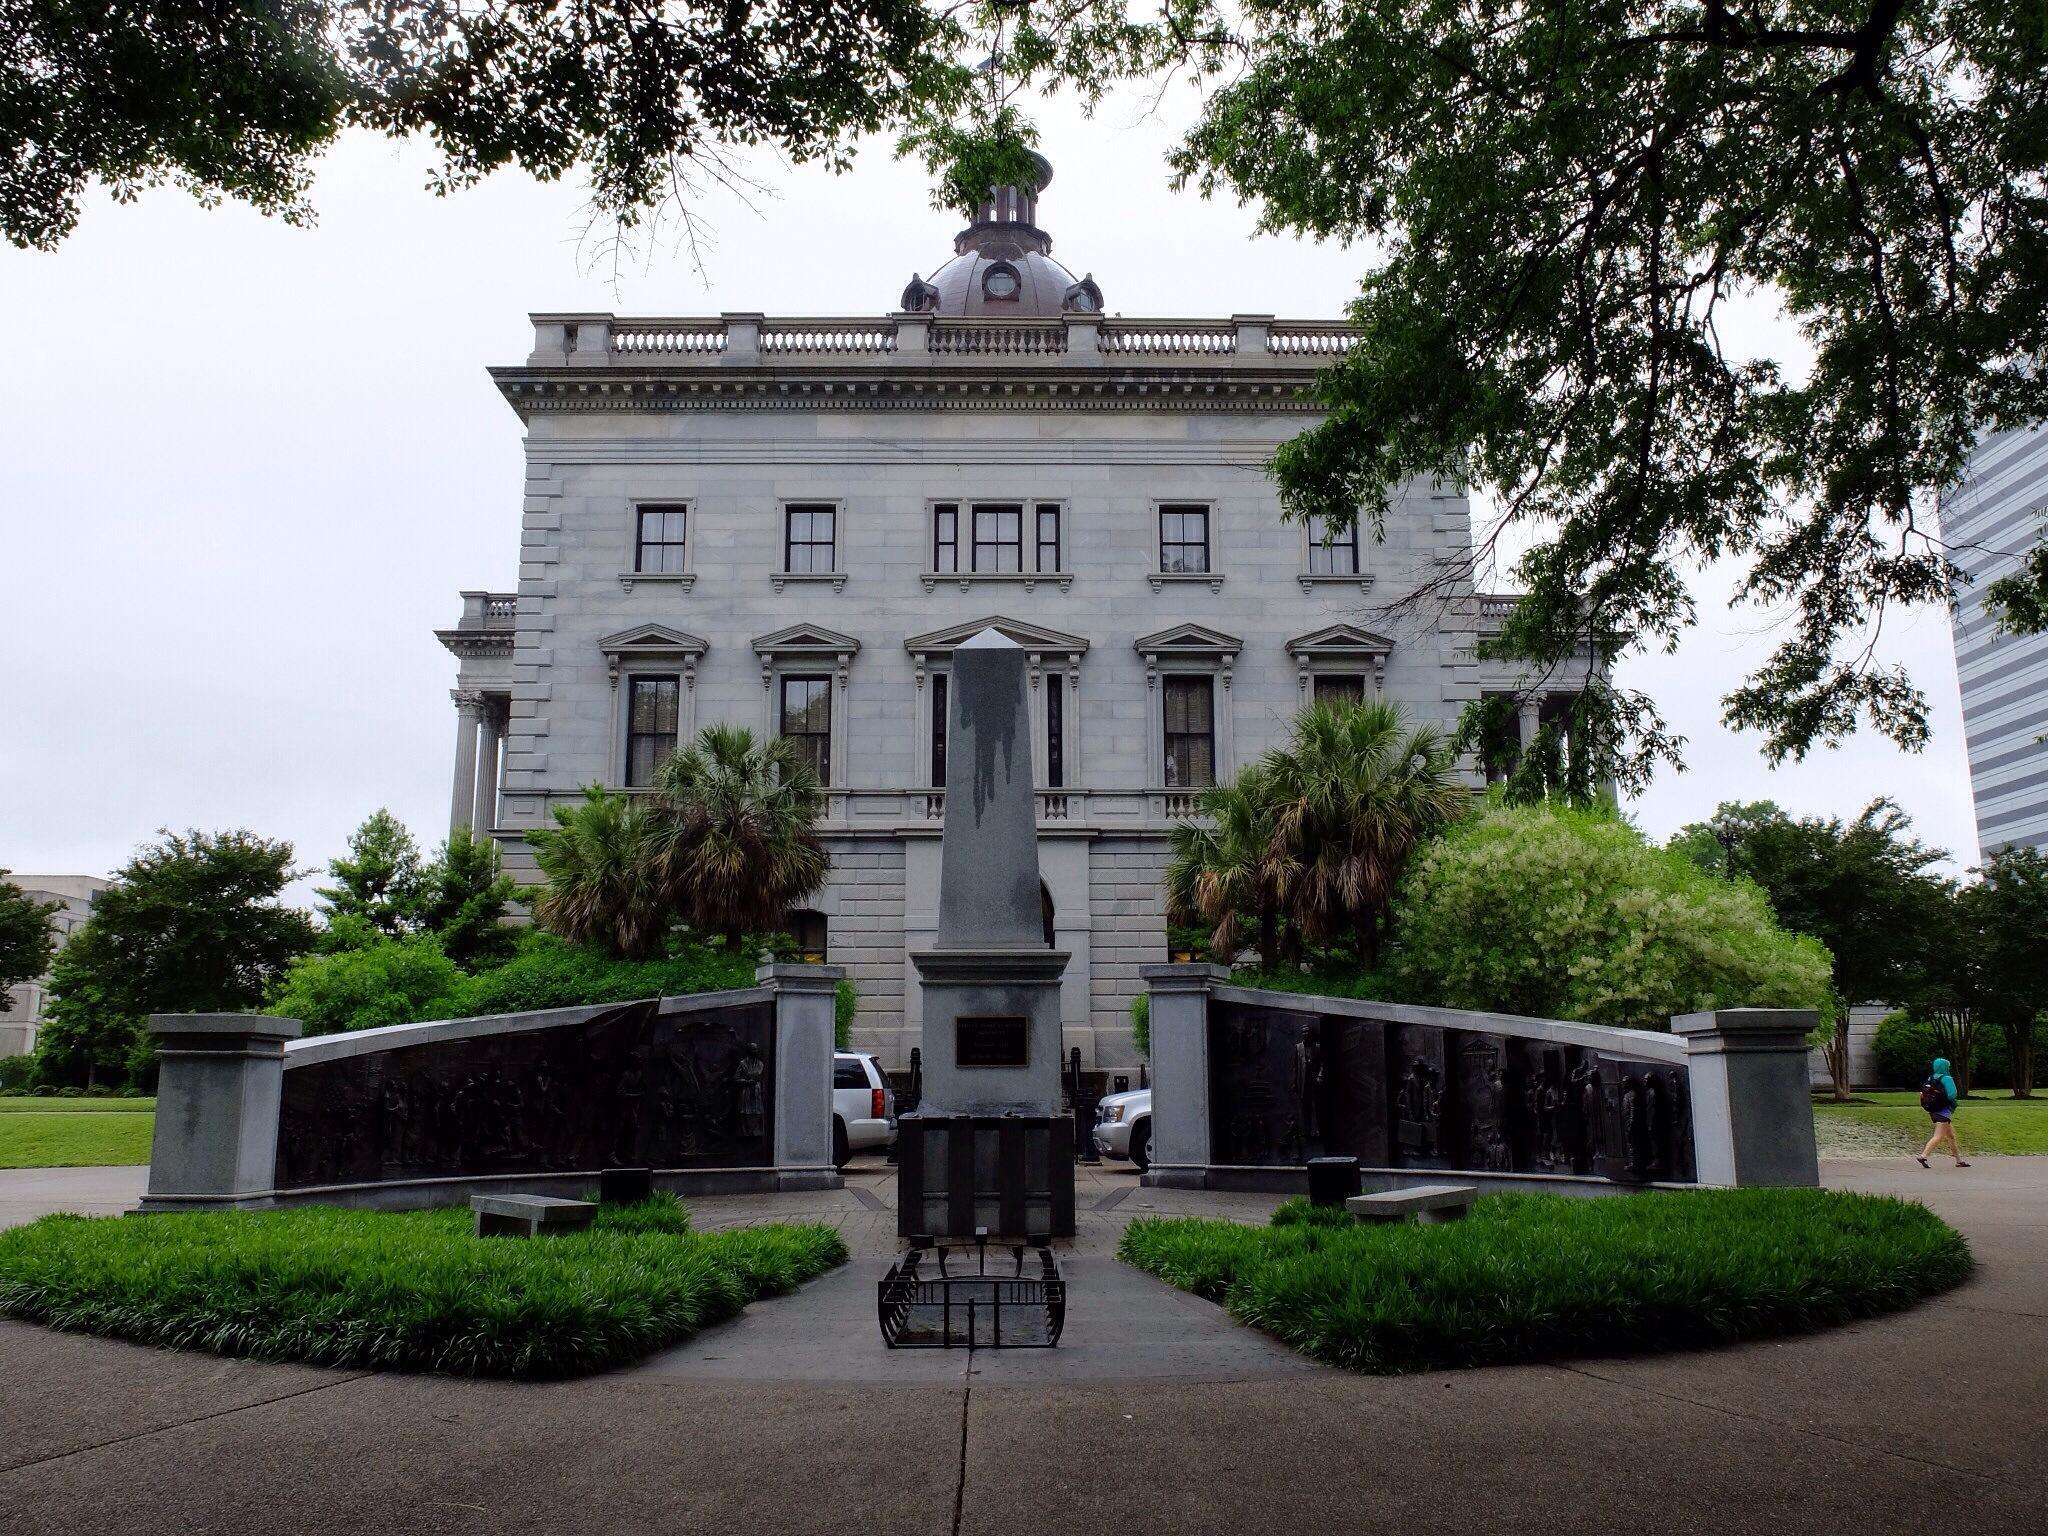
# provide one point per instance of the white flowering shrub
(1571, 915)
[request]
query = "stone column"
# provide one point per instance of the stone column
(1180, 1071)
(485, 803)
(217, 1099)
(1531, 720)
(1752, 1117)
(804, 996)
(462, 805)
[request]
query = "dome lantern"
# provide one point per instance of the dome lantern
(1002, 266)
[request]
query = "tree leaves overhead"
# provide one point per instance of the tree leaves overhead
(1570, 194)
(234, 99)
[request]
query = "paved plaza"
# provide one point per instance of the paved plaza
(1157, 1414)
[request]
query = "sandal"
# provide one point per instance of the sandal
(1961, 1164)
(1921, 1161)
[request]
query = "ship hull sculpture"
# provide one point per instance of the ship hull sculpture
(988, 1157)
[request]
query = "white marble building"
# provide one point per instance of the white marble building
(789, 523)
(27, 1002)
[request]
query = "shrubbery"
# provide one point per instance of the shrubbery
(1544, 1277)
(403, 981)
(412, 1291)
(1571, 914)
(388, 981)
(1905, 1045)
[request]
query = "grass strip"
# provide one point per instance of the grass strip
(74, 1141)
(411, 1291)
(1989, 1121)
(36, 1104)
(1549, 1277)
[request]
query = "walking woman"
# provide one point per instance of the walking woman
(1938, 1098)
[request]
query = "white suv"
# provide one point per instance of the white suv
(863, 1106)
(1123, 1127)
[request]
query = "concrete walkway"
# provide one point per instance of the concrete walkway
(1860, 1430)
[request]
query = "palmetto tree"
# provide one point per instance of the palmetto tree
(1230, 869)
(1351, 795)
(737, 841)
(603, 878)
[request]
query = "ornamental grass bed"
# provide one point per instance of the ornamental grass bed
(411, 1291)
(1548, 1277)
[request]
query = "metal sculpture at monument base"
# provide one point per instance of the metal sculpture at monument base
(925, 1303)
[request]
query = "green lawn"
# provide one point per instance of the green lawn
(1549, 1277)
(1989, 1122)
(401, 1290)
(71, 1137)
(41, 1106)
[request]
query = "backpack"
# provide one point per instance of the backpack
(1933, 1095)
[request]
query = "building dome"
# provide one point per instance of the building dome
(1002, 266)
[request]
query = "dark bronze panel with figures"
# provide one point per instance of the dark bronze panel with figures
(1288, 1085)
(629, 1087)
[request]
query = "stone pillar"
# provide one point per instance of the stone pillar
(221, 1079)
(804, 996)
(1180, 1070)
(485, 804)
(1752, 1118)
(462, 805)
(1531, 720)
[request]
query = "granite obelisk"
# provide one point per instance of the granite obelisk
(990, 982)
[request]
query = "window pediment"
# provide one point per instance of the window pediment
(1189, 640)
(653, 642)
(1029, 637)
(805, 640)
(1340, 642)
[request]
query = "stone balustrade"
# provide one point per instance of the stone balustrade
(1075, 340)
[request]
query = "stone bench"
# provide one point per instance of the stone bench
(529, 1215)
(1427, 1203)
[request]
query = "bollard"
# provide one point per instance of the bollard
(1333, 1180)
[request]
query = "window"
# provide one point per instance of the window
(1190, 732)
(810, 540)
(807, 720)
(807, 933)
(1184, 539)
(1340, 691)
(998, 537)
(1048, 536)
(1055, 731)
(650, 727)
(1001, 282)
(1332, 553)
(658, 542)
(848, 1072)
(939, 707)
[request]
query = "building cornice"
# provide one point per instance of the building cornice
(596, 362)
(531, 391)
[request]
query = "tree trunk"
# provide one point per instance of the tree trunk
(1835, 1052)
(1368, 943)
(2019, 1051)
(1269, 937)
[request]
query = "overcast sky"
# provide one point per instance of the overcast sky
(247, 469)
